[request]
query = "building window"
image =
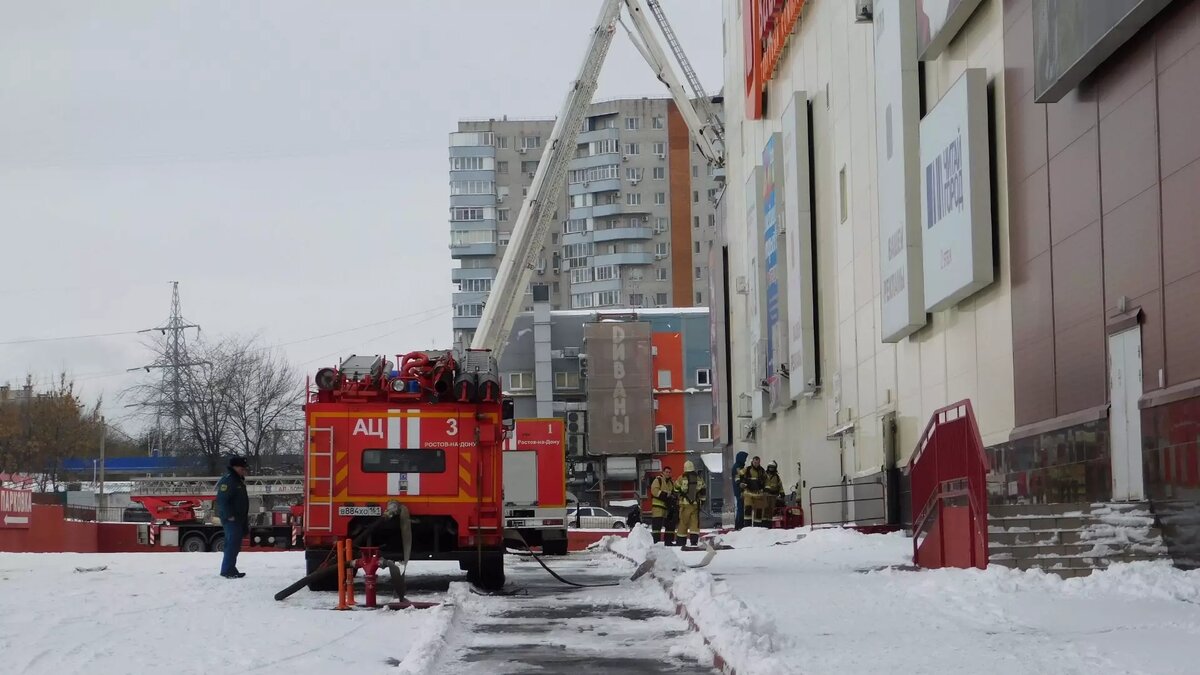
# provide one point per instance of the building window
(470, 163)
(531, 142)
(471, 237)
(581, 275)
(660, 173)
(660, 198)
(670, 432)
(632, 174)
(703, 377)
(609, 146)
(660, 149)
(704, 433)
(699, 299)
(696, 247)
(660, 299)
(633, 149)
(660, 274)
(502, 142)
(664, 379)
(607, 272)
(633, 198)
(633, 123)
(525, 192)
(660, 225)
(636, 299)
(575, 226)
(472, 187)
(471, 311)
(520, 381)
(699, 271)
(657, 122)
(475, 285)
(581, 300)
(712, 194)
(712, 220)
(695, 197)
(505, 238)
(566, 380)
(696, 222)
(529, 166)
(608, 298)
(662, 248)
(501, 167)
(695, 171)
(502, 215)
(466, 213)
(554, 287)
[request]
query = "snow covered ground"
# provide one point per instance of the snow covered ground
(171, 612)
(835, 601)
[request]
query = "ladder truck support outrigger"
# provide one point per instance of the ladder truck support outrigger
(404, 458)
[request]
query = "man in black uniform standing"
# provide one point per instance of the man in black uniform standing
(233, 508)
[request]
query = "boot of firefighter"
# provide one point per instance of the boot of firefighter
(656, 534)
(695, 540)
(669, 538)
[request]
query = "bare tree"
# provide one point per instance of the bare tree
(263, 401)
(236, 401)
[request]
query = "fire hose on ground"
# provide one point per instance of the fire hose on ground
(397, 571)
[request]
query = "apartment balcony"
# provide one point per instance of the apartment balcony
(479, 174)
(602, 159)
(577, 238)
(469, 250)
(619, 233)
(472, 200)
(602, 210)
(596, 286)
(599, 135)
(465, 322)
(468, 297)
(458, 274)
(471, 151)
(488, 224)
(623, 259)
(593, 186)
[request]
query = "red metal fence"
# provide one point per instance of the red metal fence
(949, 491)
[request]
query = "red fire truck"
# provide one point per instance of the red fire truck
(415, 449)
(535, 485)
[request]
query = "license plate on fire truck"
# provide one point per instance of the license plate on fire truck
(360, 510)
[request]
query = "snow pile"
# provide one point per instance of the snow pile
(435, 626)
(746, 639)
(758, 537)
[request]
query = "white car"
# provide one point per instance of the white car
(594, 518)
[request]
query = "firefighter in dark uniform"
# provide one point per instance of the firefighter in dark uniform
(752, 482)
(233, 508)
(772, 491)
(691, 491)
(662, 494)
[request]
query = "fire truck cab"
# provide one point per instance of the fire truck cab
(413, 447)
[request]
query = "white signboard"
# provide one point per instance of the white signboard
(956, 202)
(798, 248)
(755, 284)
(897, 116)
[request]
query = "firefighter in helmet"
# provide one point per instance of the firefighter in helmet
(773, 490)
(662, 492)
(691, 491)
(753, 481)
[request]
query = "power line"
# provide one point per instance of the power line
(379, 337)
(358, 328)
(68, 337)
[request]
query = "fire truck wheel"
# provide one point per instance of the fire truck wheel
(193, 543)
(554, 547)
(489, 577)
(313, 559)
(218, 544)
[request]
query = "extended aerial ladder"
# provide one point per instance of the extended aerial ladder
(537, 212)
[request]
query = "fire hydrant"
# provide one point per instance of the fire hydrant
(369, 563)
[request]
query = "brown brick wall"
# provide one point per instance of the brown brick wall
(679, 174)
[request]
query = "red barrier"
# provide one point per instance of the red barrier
(50, 532)
(949, 491)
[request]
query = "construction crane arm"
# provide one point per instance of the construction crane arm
(537, 212)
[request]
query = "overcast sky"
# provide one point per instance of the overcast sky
(284, 161)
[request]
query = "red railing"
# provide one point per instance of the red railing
(948, 473)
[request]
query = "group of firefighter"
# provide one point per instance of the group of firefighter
(675, 503)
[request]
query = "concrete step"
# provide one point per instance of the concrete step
(1030, 523)
(1017, 510)
(1037, 551)
(1003, 538)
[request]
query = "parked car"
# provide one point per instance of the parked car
(594, 518)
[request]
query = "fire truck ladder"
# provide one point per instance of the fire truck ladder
(308, 498)
(206, 486)
(711, 116)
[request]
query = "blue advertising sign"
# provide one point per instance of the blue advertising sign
(772, 205)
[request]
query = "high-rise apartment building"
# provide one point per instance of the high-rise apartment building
(633, 226)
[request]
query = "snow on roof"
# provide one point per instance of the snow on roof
(715, 461)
